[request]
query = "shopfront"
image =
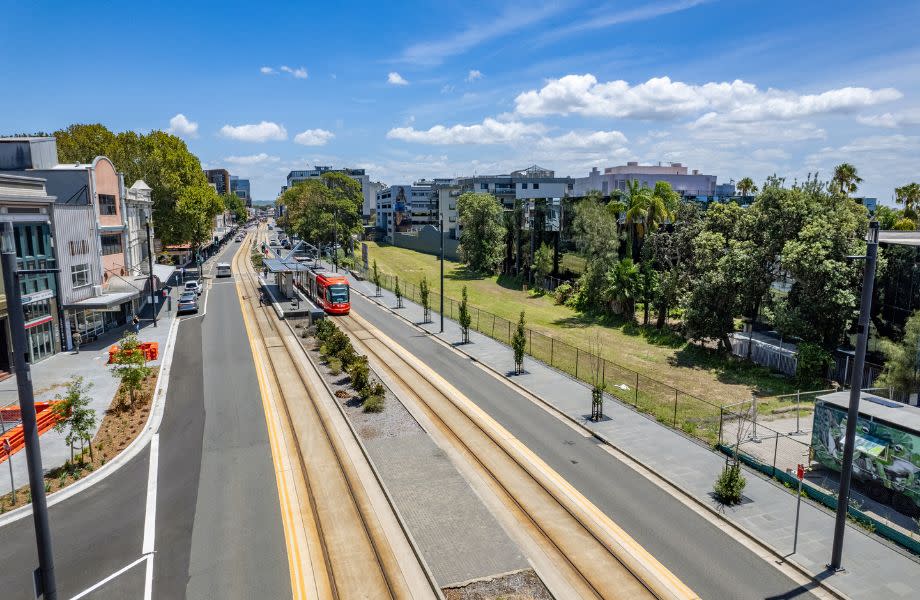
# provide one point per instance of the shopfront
(94, 316)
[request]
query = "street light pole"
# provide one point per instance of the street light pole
(45, 574)
(441, 218)
(856, 381)
(153, 299)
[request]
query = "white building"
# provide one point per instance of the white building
(688, 184)
(402, 208)
(367, 189)
(138, 211)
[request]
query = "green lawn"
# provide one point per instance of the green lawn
(663, 357)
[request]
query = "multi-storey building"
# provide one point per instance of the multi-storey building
(402, 208)
(517, 188)
(138, 213)
(359, 175)
(220, 179)
(690, 185)
(25, 206)
(241, 188)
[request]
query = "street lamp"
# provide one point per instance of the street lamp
(441, 218)
(153, 300)
(44, 576)
(856, 381)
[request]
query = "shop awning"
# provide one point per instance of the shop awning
(105, 300)
(163, 273)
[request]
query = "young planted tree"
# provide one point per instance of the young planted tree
(131, 365)
(75, 419)
(597, 378)
(465, 318)
(519, 344)
(424, 295)
(398, 292)
(376, 278)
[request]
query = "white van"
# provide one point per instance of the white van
(223, 270)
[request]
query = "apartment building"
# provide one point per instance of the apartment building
(241, 188)
(689, 184)
(404, 208)
(219, 179)
(368, 191)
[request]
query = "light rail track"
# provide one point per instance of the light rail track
(593, 555)
(355, 546)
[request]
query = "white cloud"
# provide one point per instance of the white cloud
(313, 137)
(252, 159)
(473, 75)
(490, 131)
(259, 132)
(395, 78)
(267, 71)
(596, 140)
(892, 120)
(714, 128)
(662, 98)
(770, 154)
(447, 88)
(883, 143)
(600, 19)
(181, 126)
(298, 73)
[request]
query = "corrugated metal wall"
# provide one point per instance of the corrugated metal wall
(76, 242)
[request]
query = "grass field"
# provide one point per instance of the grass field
(663, 356)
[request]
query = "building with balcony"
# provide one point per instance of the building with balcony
(689, 184)
(220, 179)
(405, 208)
(26, 207)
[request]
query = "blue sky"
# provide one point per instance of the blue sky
(410, 90)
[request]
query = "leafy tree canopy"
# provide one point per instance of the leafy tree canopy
(481, 241)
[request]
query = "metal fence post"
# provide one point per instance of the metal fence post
(576, 362)
(478, 314)
(675, 408)
(637, 390)
(775, 451)
(530, 340)
(509, 332)
(603, 371)
(721, 418)
(552, 343)
(493, 326)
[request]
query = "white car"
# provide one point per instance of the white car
(192, 286)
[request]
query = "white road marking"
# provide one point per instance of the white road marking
(99, 584)
(151, 515)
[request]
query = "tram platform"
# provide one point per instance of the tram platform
(297, 306)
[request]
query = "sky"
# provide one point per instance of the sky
(416, 90)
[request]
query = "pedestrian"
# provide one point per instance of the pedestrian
(77, 340)
(182, 274)
(261, 298)
(137, 324)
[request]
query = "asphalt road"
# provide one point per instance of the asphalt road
(218, 528)
(711, 563)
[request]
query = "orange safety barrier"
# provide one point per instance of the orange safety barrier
(45, 419)
(150, 349)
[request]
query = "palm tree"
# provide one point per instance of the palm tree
(845, 179)
(746, 186)
(909, 196)
(638, 199)
(621, 288)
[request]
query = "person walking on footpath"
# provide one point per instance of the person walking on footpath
(77, 340)
(137, 324)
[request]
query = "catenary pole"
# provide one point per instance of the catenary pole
(856, 381)
(45, 574)
(441, 215)
(153, 300)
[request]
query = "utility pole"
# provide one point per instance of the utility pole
(153, 299)
(856, 381)
(441, 218)
(335, 240)
(44, 576)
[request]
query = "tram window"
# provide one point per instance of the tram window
(338, 293)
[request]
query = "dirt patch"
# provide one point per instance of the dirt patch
(523, 585)
(121, 423)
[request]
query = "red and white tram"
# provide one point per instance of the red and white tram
(327, 290)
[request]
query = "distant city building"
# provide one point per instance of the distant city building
(240, 187)
(725, 190)
(688, 184)
(359, 175)
(20, 153)
(220, 179)
(532, 183)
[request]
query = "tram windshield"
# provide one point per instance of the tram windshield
(338, 293)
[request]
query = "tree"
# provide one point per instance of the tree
(746, 187)
(519, 344)
(712, 303)
(398, 293)
(75, 419)
(909, 196)
(236, 206)
(845, 180)
(130, 365)
(464, 317)
(649, 282)
(376, 278)
(595, 235)
(424, 296)
(671, 252)
(81, 143)
(542, 265)
(887, 217)
(195, 209)
(902, 361)
(481, 221)
(904, 224)
(621, 288)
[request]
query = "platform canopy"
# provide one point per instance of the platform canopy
(278, 265)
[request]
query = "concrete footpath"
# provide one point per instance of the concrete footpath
(50, 378)
(872, 568)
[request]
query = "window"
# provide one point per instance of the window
(79, 275)
(483, 186)
(107, 204)
(111, 244)
(523, 186)
(78, 247)
(30, 244)
(536, 186)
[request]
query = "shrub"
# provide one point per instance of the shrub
(730, 484)
(335, 366)
(563, 293)
(813, 361)
(324, 328)
(360, 376)
(373, 404)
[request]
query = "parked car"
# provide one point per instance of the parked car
(239, 238)
(193, 286)
(188, 302)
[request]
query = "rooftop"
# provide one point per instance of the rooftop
(881, 409)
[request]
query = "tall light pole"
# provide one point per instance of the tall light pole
(153, 299)
(11, 274)
(856, 381)
(441, 219)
